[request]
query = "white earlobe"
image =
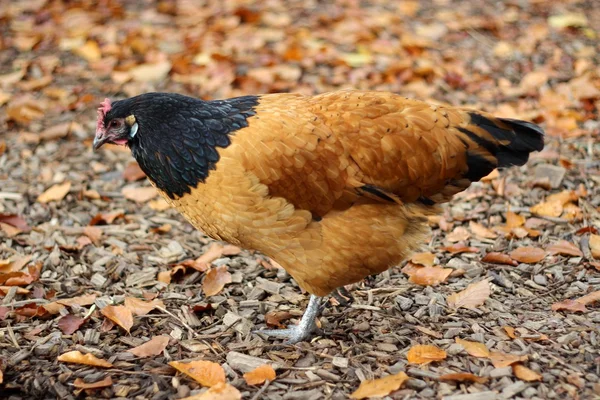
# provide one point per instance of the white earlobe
(133, 130)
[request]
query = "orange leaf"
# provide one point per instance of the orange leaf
(595, 246)
(463, 377)
(55, 306)
(525, 374)
(473, 296)
(139, 194)
(589, 298)
(510, 331)
(569, 305)
(424, 354)
(426, 259)
(120, 315)
(514, 220)
(206, 373)
(55, 193)
(481, 231)
(215, 280)
(458, 248)
(380, 387)
(426, 276)
(259, 375)
(133, 172)
(164, 276)
(140, 307)
(564, 248)
(459, 234)
(94, 233)
(77, 357)
(80, 384)
(475, 349)
(529, 255)
(152, 347)
(499, 258)
(500, 359)
(220, 391)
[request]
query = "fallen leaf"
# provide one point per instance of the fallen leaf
(259, 375)
(525, 374)
(206, 373)
(220, 391)
(514, 220)
(159, 204)
(55, 193)
(140, 307)
(459, 234)
(94, 233)
(569, 305)
(481, 231)
(120, 315)
(564, 248)
(164, 276)
(475, 349)
(55, 306)
(4, 313)
(15, 221)
(568, 20)
(595, 246)
(152, 347)
(90, 51)
(510, 331)
(499, 258)
(500, 359)
(69, 324)
(426, 259)
(380, 387)
(529, 255)
(215, 280)
(164, 228)
(56, 132)
(554, 204)
(589, 298)
(424, 354)
(274, 318)
(473, 296)
(133, 172)
(31, 310)
(15, 264)
(106, 218)
(458, 248)
(139, 194)
(77, 357)
(463, 377)
(81, 384)
(150, 72)
(426, 276)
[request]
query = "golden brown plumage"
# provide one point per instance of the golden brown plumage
(337, 186)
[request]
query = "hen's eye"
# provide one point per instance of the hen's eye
(114, 123)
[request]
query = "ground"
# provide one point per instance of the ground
(97, 233)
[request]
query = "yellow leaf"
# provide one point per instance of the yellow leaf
(259, 375)
(426, 259)
(380, 387)
(595, 246)
(424, 354)
(55, 193)
(475, 349)
(525, 374)
(77, 357)
(206, 373)
(473, 296)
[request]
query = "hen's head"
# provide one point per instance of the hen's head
(115, 125)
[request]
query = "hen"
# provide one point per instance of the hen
(334, 187)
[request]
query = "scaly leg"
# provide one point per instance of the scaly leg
(302, 331)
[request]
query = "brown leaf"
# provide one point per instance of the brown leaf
(15, 264)
(206, 373)
(525, 374)
(31, 310)
(472, 297)
(139, 194)
(500, 359)
(554, 204)
(164, 228)
(589, 298)
(424, 354)
(24, 110)
(514, 220)
(426, 276)
(259, 375)
(55, 193)
(564, 248)
(274, 318)
(569, 305)
(215, 280)
(529, 255)
(56, 132)
(595, 246)
(499, 258)
(380, 387)
(150, 72)
(55, 306)
(510, 331)
(164, 276)
(458, 248)
(106, 218)
(153, 347)
(481, 231)
(159, 204)
(15, 221)
(220, 391)
(93, 233)
(120, 315)
(475, 349)
(140, 307)
(426, 259)
(81, 384)
(459, 234)
(90, 51)
(69, 324)
(133, 172)
(463, 377)
(77, 357)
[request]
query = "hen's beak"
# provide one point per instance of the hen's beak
(99, 140)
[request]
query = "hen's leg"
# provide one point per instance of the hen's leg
(303, 330)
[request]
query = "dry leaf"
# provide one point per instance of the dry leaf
(150, 72)
(133, 172)
(426, 276)
(159, 204)
(90, 51)
(463, 377)
(140, 307)
(259, 375)
(459, 234)
(206, 373)
(426, 259)
(589, 298)
(500, 359)
(152, 347)
(55, 193)
(274, 318)
(569, 305)
(77, 357)
(93, 233)
(220, 391)
(215, 280)
(514, 220)
(106, 218)
(80, 384)
(510, 331)
(525, 374)
(55, 306)
(475, 349)
(473, 296)
(424, 354)
(595, 246)
(120, 315)
(529, 255)
(564, 248)
(458, 248)
(499, 258)
(69, 324)
(139, 194)
(481, 231)
(380, 387)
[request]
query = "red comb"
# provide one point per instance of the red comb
(104, 108)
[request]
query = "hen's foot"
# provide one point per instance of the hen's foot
(302, 331)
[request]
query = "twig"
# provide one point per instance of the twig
(264, 387)
(192, 331)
